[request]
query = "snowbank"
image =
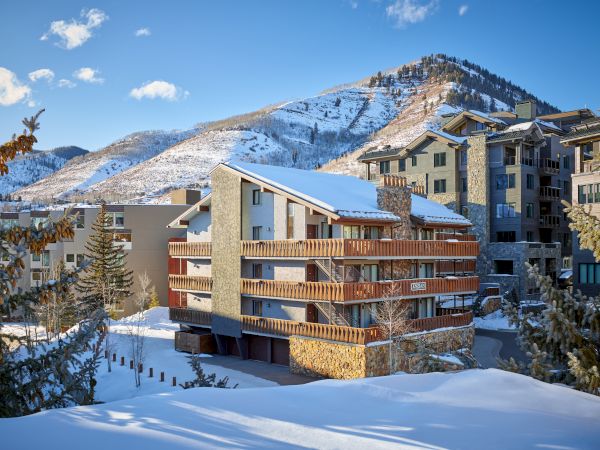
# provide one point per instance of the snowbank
(473, 409)
(494, 321)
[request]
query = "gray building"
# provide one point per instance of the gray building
(507, 172)
(585, 141)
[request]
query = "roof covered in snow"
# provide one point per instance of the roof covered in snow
(346, 196)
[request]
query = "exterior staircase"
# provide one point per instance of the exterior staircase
(332, 312)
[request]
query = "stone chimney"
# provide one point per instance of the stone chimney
(394, 195)
(526, 110)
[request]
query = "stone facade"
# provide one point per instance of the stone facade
(490, 305)
(396, 198)
(450, 200)
(226, 261)
(322, 358)
(478, 188)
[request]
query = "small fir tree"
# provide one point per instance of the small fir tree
(107, 271)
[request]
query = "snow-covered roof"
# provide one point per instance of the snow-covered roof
(346, 196)
(487, 116)
(432, 212)
(343, 195)
(452, 137)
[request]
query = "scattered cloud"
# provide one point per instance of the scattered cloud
(406, 12)
(353, 4)
(142, 32)
(31, 103)
(73, 33)
(41, 74)
(159, 89)
(88, 75)
(463, 10)
(11, 89)
(64, 83)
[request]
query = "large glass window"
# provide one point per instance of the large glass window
(401, 165)
(257, 308)
(505, 181)
(589, 273)
(257, 271)
(530, 181)
(351, 232)
(384, 167)
(439, 186)
(256, 232)
(439, 159)
(529, 210)
(505, 210)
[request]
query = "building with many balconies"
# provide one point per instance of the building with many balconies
(507, 172)
(274, 256)
(585, 139)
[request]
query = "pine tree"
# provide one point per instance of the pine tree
(34, 376)
(106, 281)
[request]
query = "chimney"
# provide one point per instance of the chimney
(185, 196)
(526, 110)
(394, 195)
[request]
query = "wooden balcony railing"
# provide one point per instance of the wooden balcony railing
(190, 316)
(286, 328)
(446, 321)
(446, 266)
(344, 292)
(316, 248)
(457, 236)
(190, 283)
(189, 249)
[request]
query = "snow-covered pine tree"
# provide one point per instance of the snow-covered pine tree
(36, 377)
(107, 271)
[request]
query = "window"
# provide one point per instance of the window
(80, 221)
(529, 210)
(581, 197)
(257, 271)
(566, 188)
(118, 219)
(370, 272)
(79, 260)
(530, 236)
(371, 233)
(290, 220)
(36, 277)
(413, 161)
(566, 162)
(426, 234)
(504, 267)
(480, 126)
(384, 167)
(256, 232)
(256, 200)
(351, 232)
(589, 273)
(9, 223)
(401, 165)
(505, 181)
(463, 185)
(505, 210)
(439, 186)
(439, 159)
(463, 158)
(35, 221)
(530, 181)
(566, 240)
(70, 257)
(257, 308)
(505, 236)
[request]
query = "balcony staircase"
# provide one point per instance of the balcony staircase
(331, 271)
(333, 313)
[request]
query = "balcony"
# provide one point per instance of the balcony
(354, 292)
(286, 328)
(549, 220)
(549, 193)
(549, 166)
(190, 249)
(361, 248)
(190, 283)
(191, 316)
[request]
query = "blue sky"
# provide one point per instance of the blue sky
(199, 60)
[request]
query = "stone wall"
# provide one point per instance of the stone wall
(450, 200)
(322, 358)
(397, 200)
(490, 304)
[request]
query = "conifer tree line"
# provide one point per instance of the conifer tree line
(563, 341)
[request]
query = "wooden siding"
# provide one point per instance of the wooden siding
(190, 283)
(190, 249)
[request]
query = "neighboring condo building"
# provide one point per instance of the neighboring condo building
(140, 229)
(275, 253)
(507, 172)
(585, 139)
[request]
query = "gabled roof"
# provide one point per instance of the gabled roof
(583, 112)
(438, 135)
(182, 220)
(516, 132)
(339, 197)
(473, 115)
(585, 131)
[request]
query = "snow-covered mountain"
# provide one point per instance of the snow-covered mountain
(31, 167)
(84, 171)
(328, 131)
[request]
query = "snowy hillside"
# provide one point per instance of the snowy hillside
(329, 130)
(83, 171)
(31, 167)
(474, 409)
